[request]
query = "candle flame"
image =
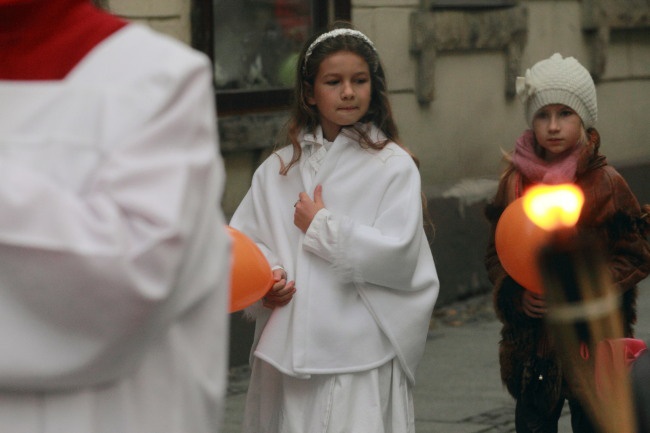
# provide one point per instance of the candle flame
(553, 206)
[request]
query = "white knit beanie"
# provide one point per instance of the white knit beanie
(558, 80)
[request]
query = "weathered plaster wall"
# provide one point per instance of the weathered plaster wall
(167, 16)
(460, 133)
(472, 116)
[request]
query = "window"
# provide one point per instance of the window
(254, 45)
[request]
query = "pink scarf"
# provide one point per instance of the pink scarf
(537, 170)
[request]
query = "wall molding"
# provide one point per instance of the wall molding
(434, 31)
(601, 17)
(250, 131)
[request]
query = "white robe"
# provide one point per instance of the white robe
(365, 278)
(114, 260)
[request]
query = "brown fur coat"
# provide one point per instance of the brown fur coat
(612, 212)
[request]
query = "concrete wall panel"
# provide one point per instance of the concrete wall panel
(146, 8)
(461, 133)
(385, 3)
(385, 27)
(623, 119)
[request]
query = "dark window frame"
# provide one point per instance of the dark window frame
(248, 101)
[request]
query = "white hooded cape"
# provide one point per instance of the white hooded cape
(365, 277)
(115, 260)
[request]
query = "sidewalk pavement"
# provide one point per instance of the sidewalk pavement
(458, 389)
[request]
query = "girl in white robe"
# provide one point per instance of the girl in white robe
(339, 216)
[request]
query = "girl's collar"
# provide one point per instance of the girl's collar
(312, 138)
(354, 132)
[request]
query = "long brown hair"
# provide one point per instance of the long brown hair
(380, 113)
(305, 116)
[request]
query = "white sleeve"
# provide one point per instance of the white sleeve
(86, 274)
(385, 253)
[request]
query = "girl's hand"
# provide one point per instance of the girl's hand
(281, 292)
(306, 209)
(533, 304)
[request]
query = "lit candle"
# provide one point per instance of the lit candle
(582, 306)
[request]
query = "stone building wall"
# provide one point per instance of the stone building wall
(471, 113)
(167, 16)
(451, 78)
(451, 75)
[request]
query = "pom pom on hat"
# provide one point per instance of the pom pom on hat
(558, 80)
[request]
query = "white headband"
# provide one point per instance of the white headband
(332, 34)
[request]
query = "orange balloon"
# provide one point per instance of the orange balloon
(251, 276)
(518, 241)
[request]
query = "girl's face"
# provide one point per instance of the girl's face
(341, 92)
(557, 129)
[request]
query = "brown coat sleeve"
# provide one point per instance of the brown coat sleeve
(613, 213)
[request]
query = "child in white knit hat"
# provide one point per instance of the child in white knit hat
(560, 146)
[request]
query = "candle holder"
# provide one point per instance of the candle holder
(585, 326)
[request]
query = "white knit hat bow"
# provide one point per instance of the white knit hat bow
(558, 80)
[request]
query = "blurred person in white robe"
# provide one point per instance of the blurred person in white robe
(114, 258)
